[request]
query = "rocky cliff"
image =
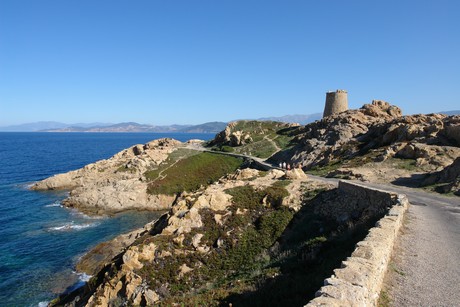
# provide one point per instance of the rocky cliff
(446, 180)
(118, 183)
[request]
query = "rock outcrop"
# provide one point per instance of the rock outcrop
(448, 179)
(326, 140)
(183, 233)
(115, 184)
(431, 140)
(259, 139)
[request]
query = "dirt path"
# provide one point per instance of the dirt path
(160, 174)
(273, 143)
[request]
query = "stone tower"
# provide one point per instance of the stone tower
(336, 102)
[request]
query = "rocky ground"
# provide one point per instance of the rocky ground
(252, 238)
(232, 233)
(136, 178)
(375, 143)
(115, 184)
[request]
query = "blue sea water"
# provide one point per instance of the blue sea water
(40, 241)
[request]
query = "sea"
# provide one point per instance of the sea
(40, 240)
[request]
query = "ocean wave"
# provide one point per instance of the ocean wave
(55, 204)
(43, 304)
(79, 214)
(72, 226)
(83, 277)
(26, 185)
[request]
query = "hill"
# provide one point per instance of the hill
(354, 144)
(455, 112)
(212, 127)
(298, 118)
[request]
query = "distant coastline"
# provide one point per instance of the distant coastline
(209, 127)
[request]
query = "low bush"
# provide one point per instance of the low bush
(191, 173)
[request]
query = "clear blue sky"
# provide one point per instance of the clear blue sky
(189, 62)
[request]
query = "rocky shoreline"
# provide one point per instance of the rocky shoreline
(116, 184)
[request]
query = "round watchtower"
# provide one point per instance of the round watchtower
(336, 102)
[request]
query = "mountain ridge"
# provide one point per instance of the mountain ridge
(208, 127)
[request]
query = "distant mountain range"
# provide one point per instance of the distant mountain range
(40, 126)
(297, 118)
(455, 112)
(211, 127)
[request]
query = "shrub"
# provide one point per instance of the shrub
(191, 173)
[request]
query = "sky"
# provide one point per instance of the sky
(194, 61)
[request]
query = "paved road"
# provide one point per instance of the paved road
(426, 264)
(426, 268)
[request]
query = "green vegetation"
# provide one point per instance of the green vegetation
(384, 299)
(407, 164)
(238, 246)
(323, 170)
(267, 137)
(395, 269)
(310, 194)
(443, 188)
(262, 254)
(174, 157)
(190, 173)
(123, 168)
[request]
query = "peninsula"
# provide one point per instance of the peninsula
(250, 222)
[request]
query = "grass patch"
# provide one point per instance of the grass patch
(173, 157)
(323, 170)
(407, 164)
(282, 183)
(190, 173)
(384, 299)
(266, 137)
(395, 269)
(260, 149)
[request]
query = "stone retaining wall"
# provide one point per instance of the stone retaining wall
(359, 280)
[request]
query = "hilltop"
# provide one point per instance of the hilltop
(374, 143)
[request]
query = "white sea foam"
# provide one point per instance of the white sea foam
(84, 277)
(29, 185)
(56, 204)
(43, 304)
(25, 186)
(79, 214)
(72, 226)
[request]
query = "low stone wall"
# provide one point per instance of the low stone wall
(359, 280)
